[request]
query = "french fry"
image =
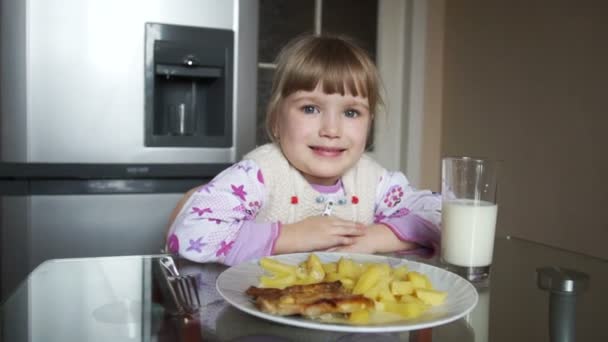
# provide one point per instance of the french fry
(278, 282)
(330, 267)
(359, 317)
(374, 292)
(331, 277)
(429, 285)
(377, 289)
(385, 294)
(301, 271)
(315, 268)
(400, 272)
(431, 297)
(368, 279)
(274, 266)
(385, 269)
(407, 310)
(418, 280)
(410, 298)
(347, 283)
(402, 287)
(347, 268)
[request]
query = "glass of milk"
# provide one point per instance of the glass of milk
(468, 188)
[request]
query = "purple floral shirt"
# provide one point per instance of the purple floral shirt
(217, 223)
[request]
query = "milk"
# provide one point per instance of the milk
(467, 233)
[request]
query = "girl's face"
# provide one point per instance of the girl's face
(323, 135)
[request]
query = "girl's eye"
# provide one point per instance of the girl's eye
(351, 113)
(308, 109)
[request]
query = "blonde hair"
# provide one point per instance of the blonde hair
(335, 63)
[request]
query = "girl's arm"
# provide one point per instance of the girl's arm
(379, 238)
(413, 216)
(178, 208)
(406, 220)
(215, 222)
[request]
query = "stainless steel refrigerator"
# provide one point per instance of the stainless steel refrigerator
(110, 111)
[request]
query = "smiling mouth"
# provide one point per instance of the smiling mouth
(327, 151)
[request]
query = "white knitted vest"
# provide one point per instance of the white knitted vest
(284, 182)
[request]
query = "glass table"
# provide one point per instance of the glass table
(122, 299)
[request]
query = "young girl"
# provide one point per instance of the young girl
(312, 188)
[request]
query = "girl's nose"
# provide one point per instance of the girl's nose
(331, 126)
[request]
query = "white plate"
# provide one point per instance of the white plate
(462, 296)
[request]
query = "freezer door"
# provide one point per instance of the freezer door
(73, 79)
(42, 227)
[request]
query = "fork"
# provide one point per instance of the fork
(183, 288)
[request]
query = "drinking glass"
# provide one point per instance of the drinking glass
(469, 210)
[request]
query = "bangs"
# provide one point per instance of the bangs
(334, 67)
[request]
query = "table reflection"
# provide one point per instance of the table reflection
(126, 299)
(479, 318)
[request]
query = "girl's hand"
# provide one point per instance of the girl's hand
(378, 238)
(317, 233)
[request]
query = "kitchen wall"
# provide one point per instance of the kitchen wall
(524, 82)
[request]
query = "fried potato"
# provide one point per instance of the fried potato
(419, 280)
(278, 281)
(274, 266)
(406, 310)
(396, 292)
(348, 269)
(315, 268)
(431, 297)
(359, 317)
(330, 267)
(410, 298)
(347, 283)
(333, 276)
(400, 272)
(368, 279)
(402, 287)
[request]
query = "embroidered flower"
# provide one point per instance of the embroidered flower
(239, 191)
(393, 196)
(173, 244)
(224, 248)
(196, 245)
(207, 187)
(249, 210)
(379, 217)
(201, 211)
(245, 168)
(255, 206)
(400, 213)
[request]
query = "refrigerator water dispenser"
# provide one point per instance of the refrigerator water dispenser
(188, 91)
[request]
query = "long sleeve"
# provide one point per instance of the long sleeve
(216, 224)
(413, 215)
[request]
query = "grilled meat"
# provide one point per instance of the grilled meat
(308, 300)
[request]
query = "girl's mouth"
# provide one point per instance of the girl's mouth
(327, 151)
